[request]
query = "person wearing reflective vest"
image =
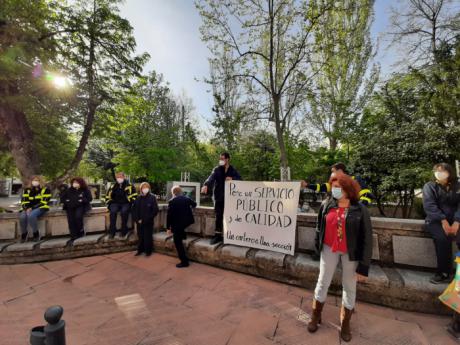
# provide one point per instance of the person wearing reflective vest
(34, 204)
(365, 195)
(120, 197)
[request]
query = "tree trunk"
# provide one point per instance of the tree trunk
(19, 136)
(92, 104)
(279, 132)
(333, 143)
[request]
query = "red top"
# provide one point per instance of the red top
(332, 236)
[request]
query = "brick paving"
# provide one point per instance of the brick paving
(120, 299)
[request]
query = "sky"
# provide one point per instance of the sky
(169, 31)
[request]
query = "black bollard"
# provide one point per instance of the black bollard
(55, 329)
(37, 336)
(54, 332)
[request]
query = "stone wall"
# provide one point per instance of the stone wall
(396, 241)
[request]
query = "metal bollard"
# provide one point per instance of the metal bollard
(54, 332)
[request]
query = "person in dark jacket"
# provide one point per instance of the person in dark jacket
(144, 211)
(179, 217)
(441, 202)
(120, 197)
(365, 195)
(76, 202)
(343, 233)
(34, 204)
(220, 174)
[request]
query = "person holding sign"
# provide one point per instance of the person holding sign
(343, 233)
(223, 172)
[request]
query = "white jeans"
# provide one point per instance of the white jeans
(328, 264)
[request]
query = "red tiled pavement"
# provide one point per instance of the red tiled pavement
(120, 299)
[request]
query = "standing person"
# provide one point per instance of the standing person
(441, 202)
(365, 195)
(119, 199)
(76, 202)
(145, 209)
(223, 172)
(343, 233)
(34, 202)
(179, 217)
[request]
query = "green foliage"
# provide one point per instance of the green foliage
(411, 124)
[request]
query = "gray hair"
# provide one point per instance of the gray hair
(176, 190)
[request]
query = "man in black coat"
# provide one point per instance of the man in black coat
(223, 172)
(180, 216)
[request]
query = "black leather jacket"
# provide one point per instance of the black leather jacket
(358, 230)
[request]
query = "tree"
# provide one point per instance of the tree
(90, 43)
(97, 47)
(21, 28)
(271, 41)
(343, 51)
(419, 26)
(149, 138)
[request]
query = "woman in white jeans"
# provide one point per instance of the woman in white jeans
(343, 233)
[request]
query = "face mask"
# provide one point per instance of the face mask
(76, 185)
(145, 191)
(120, 180)
(35, 183)
(337, 193)
(221, 162)
(441, 175)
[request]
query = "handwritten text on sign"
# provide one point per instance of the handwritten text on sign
(261, 214)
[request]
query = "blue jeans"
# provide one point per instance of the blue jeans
(30, 219)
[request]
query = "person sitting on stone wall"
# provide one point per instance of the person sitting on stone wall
(76, 202)
(34, 203)
(441, 202)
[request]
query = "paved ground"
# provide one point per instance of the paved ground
(120, 299)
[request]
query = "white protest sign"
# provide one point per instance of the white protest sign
(261, 214)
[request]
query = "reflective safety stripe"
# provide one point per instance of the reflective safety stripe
(353, 177)
(363, 198)
(364, 191)
(44, 206)
(25, 202)
(318, 186)
(328, 187)
(46, 195)
(25, 195)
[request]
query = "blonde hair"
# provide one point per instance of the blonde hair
(40, 179)
(144, 184)
(175, 190)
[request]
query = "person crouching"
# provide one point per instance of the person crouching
(145, 208)
(179, 217)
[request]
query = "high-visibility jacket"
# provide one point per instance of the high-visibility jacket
(365, 195)
(128, 189)
(36, 197)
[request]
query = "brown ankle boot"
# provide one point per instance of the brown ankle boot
(345, 317)
(317, 308)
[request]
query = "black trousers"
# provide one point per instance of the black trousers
(178, 237)
(75, 221)
(219, 211)
(124, 209)
(443, 246)
(144, 233)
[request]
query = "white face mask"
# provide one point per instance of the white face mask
(441, 175)
(145, 191)
(120, 180)
(75, 185)
(337, 193)
(221, 162)
(35, 183)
